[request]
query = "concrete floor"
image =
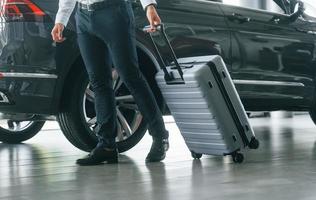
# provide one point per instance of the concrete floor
(283, 168)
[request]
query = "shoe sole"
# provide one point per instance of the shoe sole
(110, 161)
(155, 160)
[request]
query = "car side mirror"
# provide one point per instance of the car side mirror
(300, 9)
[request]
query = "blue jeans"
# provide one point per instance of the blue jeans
(108, 35)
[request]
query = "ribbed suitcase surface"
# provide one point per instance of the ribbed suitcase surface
(206, 106)
(201, 111)
(193, 116)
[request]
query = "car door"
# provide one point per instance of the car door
(194, 28)
(272, 58)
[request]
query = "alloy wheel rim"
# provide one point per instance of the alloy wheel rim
(15, 126)
(129, 117)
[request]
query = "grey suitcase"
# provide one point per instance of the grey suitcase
(204, 103)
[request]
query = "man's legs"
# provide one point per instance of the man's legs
(113, 27)
(118, 32)
(96, 58)
(98, 64)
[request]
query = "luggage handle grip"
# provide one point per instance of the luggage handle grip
(168, 76)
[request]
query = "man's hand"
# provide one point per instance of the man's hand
(153, 18)
(57, 32)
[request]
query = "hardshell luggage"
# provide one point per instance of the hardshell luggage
(202, 98)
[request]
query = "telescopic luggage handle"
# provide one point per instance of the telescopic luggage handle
(168, 76)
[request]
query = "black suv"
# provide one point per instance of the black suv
(270, 55)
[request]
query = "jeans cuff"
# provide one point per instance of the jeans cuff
(164, 135)
(107, 143)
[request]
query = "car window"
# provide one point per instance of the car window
(267, 5)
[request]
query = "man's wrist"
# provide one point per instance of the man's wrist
(150, 5)
(61, 23)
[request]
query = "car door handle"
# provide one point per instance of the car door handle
(240, 18)
(311, 32)
(305, 31)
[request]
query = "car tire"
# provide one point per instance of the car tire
(77, 115)
(312, 114)
(312, 110)
(19, 131)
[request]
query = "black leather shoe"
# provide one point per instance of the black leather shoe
(158, 150)
(98, 156)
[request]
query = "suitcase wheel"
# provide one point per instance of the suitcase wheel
(238, 157)
(254, 143)
(196, 155)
